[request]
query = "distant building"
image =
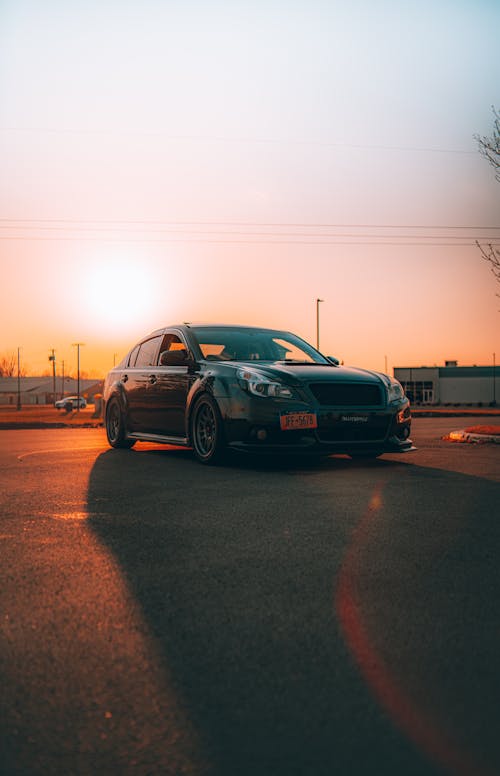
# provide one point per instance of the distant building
(449, 384)
(40, 390)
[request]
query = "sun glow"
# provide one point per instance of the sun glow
(118, 291)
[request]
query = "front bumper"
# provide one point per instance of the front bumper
(253, 425)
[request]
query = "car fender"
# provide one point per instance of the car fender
(116, 390)
(214, 386)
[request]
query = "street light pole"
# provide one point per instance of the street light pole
(52, 358)
(317, 322)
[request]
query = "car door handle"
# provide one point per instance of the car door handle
(152, 379)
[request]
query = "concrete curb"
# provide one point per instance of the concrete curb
(13, 426)
(467, 436)
(418, 412)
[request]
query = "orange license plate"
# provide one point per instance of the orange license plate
(293, 420)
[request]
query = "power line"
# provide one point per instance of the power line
(295, 224)
(187, 241)
(240, 233)
(228, 139)
(229, 232)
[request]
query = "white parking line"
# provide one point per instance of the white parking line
(59, 450)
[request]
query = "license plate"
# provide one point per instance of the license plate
(293, 420)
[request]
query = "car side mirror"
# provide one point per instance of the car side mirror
(174, 358)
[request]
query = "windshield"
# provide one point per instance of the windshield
(221, 343)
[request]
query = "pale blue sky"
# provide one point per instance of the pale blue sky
(334, 113)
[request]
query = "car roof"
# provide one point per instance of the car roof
(193, 325)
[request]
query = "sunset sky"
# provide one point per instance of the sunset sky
(171, 160)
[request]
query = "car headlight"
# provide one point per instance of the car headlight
(259, 385)
(395, 391)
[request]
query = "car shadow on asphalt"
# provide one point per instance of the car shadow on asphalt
(271, 462)
(234, 568)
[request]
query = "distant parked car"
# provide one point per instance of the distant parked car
(70, 402)
(250, 389)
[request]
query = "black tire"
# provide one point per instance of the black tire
(207, 435)
(115, 427)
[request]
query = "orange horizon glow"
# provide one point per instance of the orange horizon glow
(112, 302)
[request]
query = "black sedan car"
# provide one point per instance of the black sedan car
(217, 388)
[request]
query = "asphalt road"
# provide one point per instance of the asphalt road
(254, 619)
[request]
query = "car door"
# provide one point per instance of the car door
(169, 387)
(137, 379)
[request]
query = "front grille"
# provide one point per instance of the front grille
(347, 394)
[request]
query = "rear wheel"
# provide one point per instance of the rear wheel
(207, 434)
(115, 427)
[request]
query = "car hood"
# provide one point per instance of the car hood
(291, 373)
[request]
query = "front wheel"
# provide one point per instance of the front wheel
(207, 434)
(115, 427)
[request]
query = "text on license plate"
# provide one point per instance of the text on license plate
(293, 420)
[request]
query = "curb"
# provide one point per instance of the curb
(467, 436)
(453, 413)
(13, 426)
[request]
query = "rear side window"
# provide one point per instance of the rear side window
(133, 356)
(147, 352)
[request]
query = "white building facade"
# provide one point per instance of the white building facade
(40, 390)
(450, 384)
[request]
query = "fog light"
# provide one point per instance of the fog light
(261, 434)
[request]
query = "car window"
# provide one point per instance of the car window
(147, 352)
(290, 351)
(236, 345)
(171, 342)
(217, 351)
(133, 356)
(223, 344)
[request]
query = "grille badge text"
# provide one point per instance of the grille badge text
(354, 418)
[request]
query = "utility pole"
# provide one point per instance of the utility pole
(494, 379)
(317, 322)
(52, 358)
(18, 379)
(78, 345)
(62, 382)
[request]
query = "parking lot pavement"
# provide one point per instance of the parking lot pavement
(258, 617)
(47, 416)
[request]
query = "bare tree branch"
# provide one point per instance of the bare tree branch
(492, 256)
(489, 147)
(8, 365)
